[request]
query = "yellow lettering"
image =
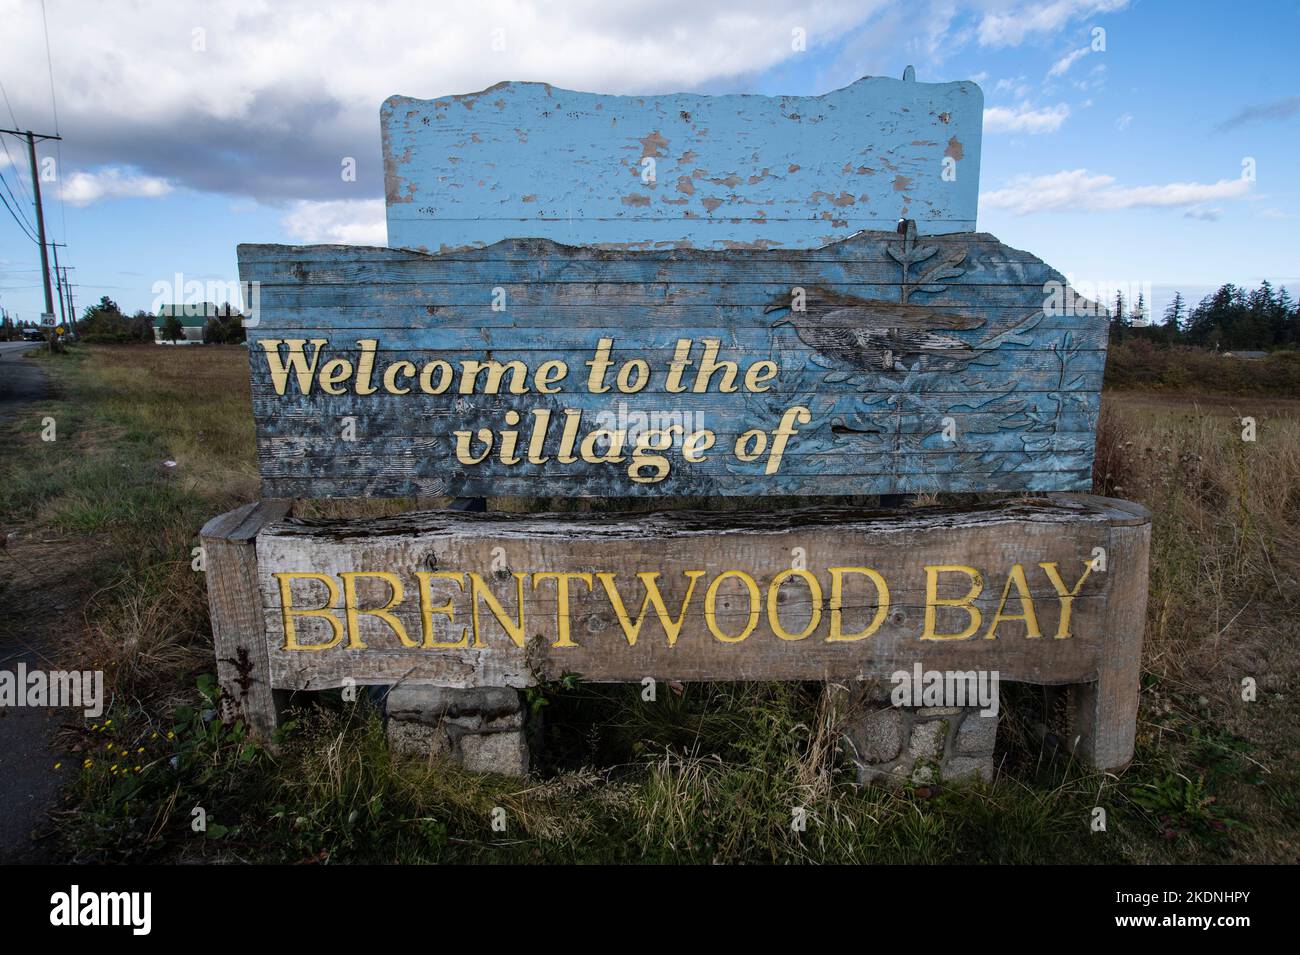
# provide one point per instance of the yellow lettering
(932, 600)
(549, 373)
(711, 601)
(541, 424)
(837, 633)
(463, 438)
(1017, 576)
(599, 365)
(814, 594)
(624, 379)
(696, 443)
(782, 434)
(709, 365)
(472, 368)
(427, 611)
(288, 614)
(332, 375)
(296, 361)
(366, 366)
(654, 439)
(613, 455)
(479, 588)
(759, 374)
(649, 579)
(404, 368)
(354, 613)
(1066, 596)
(562, 601)
(681, 359)
(445, 375)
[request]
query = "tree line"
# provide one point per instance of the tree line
(1229, 319)
(104, 322)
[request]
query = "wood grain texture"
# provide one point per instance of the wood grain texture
(508, 551)
(529, 159)
(1103, 713)
(925, 364)
(235, 607)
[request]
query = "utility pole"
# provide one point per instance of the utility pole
(31, 138)
(72, 308)
(58, 283)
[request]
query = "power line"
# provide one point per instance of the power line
(54, 106)
(4, 144)
(7, 104)
(10, 160)
(26, 232)
(17, 204)
(31, 138)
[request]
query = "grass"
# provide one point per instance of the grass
(1137, 364)
(712, 774)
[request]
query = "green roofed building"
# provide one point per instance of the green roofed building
(192, 318)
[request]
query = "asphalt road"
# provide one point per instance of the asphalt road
(28, 783)
(19, 380)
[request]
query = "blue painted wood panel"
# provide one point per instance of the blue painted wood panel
(945, 363)
(680, 171)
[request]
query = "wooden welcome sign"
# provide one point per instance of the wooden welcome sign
(737, 316)
(885, 363)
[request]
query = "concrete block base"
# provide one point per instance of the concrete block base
(481, 729)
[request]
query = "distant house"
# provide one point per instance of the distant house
(192, 318)
(1252, 355)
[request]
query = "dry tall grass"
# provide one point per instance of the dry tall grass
(713, 776)
(196, 399)
(1226, 540)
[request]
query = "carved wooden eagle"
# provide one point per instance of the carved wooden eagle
(862, 334)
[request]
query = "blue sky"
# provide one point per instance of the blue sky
(191, 127)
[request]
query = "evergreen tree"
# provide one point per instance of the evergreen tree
(172, 329)
(1174, 316)
(1117, 318)
(1286, 331)
(1139, 316)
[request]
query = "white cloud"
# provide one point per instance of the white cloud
(1061, 66)
(1205, 215)
(338, 222)
(1023, 119)
(1124, 122)
(256, 99)
(83, 188)
(1077, 191)
(1016, 87)
(265, 100)
(1012, 27)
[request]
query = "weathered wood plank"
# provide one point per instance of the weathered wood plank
(800, 628)
(1102, 714)
(922, 412)
(614, 484)
(235, 607)
(542, 262)
(703, 171)
(985, 251)
(846, 385)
